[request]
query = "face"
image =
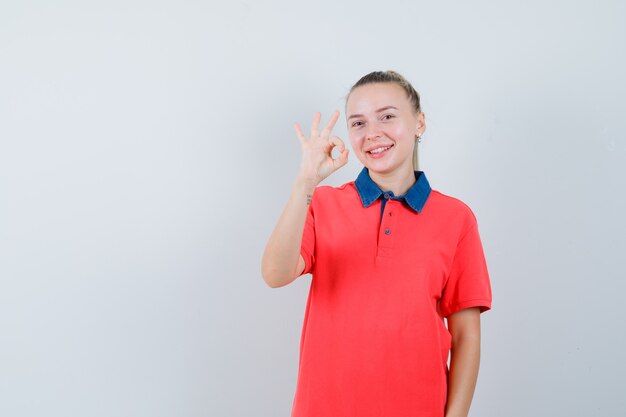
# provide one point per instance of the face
(382, 126)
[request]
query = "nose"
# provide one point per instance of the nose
(372, 132)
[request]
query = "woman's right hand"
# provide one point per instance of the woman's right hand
(317, 161)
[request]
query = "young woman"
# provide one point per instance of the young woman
(390, 258)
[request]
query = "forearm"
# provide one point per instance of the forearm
(464, 364)
(282, 252)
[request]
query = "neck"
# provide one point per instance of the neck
(398, 182)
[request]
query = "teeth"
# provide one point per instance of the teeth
(379, 150)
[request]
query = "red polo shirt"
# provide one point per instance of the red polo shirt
(374, 342)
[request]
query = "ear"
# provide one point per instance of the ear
(420, 124)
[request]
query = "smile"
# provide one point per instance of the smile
(378, 152)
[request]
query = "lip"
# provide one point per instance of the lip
(378, 146)
(380, 154)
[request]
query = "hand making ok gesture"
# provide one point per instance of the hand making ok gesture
(317, 161)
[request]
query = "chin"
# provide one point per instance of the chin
(380, 168)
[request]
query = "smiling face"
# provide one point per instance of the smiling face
(382, 125)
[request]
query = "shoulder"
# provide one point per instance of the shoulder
(452, 208)
(324, 193)
(335, 199)
(450, 203)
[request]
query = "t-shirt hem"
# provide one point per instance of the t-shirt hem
(308, 258)
(483, 303)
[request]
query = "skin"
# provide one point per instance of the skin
(381, 114)
(282, 263)
(464, 326)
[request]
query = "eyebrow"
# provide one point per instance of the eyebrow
(377, 111)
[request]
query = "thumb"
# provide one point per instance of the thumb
(342, 159)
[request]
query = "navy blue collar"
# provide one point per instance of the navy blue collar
(415, 197)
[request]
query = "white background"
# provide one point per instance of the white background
(147, 151)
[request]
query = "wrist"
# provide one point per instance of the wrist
(305, 184)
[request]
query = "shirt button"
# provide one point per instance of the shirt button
(386, 196)
(387, 231)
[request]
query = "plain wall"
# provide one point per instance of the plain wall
(147, 151)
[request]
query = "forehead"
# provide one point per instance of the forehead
(369, 97)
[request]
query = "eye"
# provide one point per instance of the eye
(357, 123)
(388, 116)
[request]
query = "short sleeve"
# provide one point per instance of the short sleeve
(468, 283)
(307, 248)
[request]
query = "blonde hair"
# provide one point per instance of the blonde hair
(394, 77)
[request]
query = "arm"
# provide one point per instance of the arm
(464, 326)
(282, 262)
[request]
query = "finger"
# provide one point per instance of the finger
(315, 126)
(299, 133)
(331, 123)
(336, 141)
(341, 160)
